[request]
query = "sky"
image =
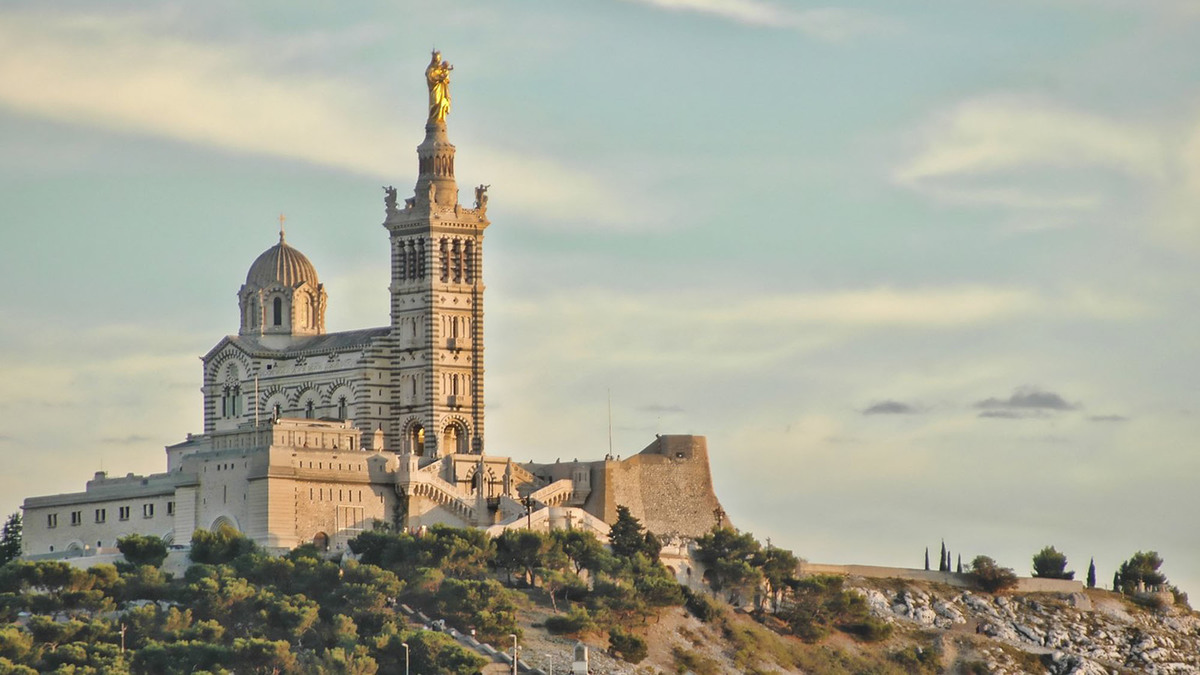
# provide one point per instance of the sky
(919, 271)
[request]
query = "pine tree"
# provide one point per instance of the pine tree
(942, 561)
(10, 539)
(926, 558)
(1091, 578)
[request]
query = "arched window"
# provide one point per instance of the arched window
(417, 438)
(278, 311)
(308, 410)
(342, 407)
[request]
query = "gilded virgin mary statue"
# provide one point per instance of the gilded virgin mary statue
(437, 76)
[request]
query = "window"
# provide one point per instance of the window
(76, 517)
(342, 407)
(170, 508)
(278, 311)
(147, 510)
(308, 410)
(51, 520)
(101, 515)
(123, 513)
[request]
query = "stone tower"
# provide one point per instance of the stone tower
(437, 304)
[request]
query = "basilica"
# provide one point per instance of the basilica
(312, 437)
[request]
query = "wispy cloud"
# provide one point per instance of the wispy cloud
(660, 408)
(1108, 418)
(133, 439)
(982, 150)
(831, 24)
(127, 74)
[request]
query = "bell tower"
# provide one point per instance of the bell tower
(437, 296)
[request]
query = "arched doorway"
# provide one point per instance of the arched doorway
(321, 541)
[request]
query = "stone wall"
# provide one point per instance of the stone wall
(1024, 584)
(668, 486)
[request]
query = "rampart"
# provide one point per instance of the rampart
(668, 486)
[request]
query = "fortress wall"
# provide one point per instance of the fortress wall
(1024, 584)
(668, 486)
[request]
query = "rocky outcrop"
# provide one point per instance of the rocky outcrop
(1078, 634)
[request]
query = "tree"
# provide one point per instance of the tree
(777, 565)
(143, 550)
(1091, 577)
(926, 558)
(942, 558)
(1140, 572)
(959, 569)
(1050, 564)
(727, 557)
(627, 537)
(10, 540)
(990, 576)
(222, 546)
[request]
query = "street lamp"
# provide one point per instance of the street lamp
(514, 637)
(405, 645)
(551, 657)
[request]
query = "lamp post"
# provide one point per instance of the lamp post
(551, 657)
(405, 645)
(514, 637)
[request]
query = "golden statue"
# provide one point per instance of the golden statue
(437, 76)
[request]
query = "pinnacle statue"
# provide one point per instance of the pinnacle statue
(437, 77)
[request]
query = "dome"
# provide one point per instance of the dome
(281, 264)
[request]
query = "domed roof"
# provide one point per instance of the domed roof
(281, 264)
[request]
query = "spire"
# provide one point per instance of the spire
(281, 219)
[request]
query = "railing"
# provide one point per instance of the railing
(555, 493)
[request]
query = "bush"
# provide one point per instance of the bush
(701, 606)
(990, 576)
(869, 629)
(574, 622)
(690, 662)
(917, 659)
(628, 646)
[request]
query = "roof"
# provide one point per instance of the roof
(281, 264)
(315, 344)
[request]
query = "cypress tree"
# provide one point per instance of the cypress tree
(947, 560)
(1117, 580)
(926, 558)
(1091, 578)
(960, 563)
(942, 562)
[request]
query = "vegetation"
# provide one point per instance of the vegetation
(143, 550)
(10, 539)
(1050, 564)
(990, 576)
(1140, 571)
(1091, 574)
(628, 646)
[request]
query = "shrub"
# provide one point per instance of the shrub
(687, 661)
(990, 576)
(574, 622)
(701, 606)
(628, 646)
(869, 629)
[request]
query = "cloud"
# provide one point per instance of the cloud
(1024, 403)
(891, 408)
(127, 74)
(658, 408)
(132, 439)
(1108, 418)
(831, 24)
(983, 151)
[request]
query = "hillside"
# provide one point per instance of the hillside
(957, 631)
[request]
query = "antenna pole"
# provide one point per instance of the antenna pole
(610, 422)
